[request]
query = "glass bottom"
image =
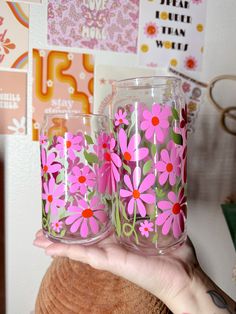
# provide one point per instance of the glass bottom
(75, 239)
(163, 245)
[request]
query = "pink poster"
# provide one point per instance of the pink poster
(101, 24)
(14, 29)
(13, 92)
(62, 82)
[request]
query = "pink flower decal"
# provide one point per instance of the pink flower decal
(43, 139)
(169, 166)
(52, 195)
(130, 150)
(81, 179)
(145, 228)
(121, 118)
(103, 142)
(135, 192)
(108, 173)
(173, 213)
(57, 226)
(87, 216)
(47, 163)
(69, 145)
(156, 122)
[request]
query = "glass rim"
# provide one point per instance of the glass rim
(75, 114)
(147, 82)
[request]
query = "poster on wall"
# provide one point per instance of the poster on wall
(62, 82)
(171, 33)
(26, 1)
(105, 76)
(13, 95)
(14, 35)
(103, 25)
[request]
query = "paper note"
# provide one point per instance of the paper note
(62, 82)
(171, 33)
(95, 24)
(13, 91)
(14, 27)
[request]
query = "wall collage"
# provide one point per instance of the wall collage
(161, 33)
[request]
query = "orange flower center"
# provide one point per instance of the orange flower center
(136, 193)
(176, 209)
(104, 145)
(87, 213)
(81, 179)
(50, 198)
(169, 167)
(45, 168)
(155, 121)
(107, 157)
(127, 156)
(151, 30)
(145, 229)
(57, 224)
(68, 144)
(121, 121)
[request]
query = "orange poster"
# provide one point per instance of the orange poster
(62, 82)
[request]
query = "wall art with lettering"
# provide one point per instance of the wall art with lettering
(62, 82)
(13, 95)
(14, 29)
(95, 24)
(171, 33)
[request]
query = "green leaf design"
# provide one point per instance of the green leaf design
(155, 238)
(91, 194)
(147, 166)
(123, 210)
(153, 214)
(54, 233)
(62, 233)
(117, 219)
(175, 114)
(70, 199)
(90, 157)
(127, 168)
(60, 177)
(177, 138)
(154, 150)
(89, 139)
(160, 193)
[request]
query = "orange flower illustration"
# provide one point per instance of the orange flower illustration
(6, 45)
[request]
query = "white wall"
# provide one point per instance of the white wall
(26, 264)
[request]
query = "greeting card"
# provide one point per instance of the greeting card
(105, 76)
(14, 27)
(171, 32)
(95, 24)
(13, 93)
(62, 81)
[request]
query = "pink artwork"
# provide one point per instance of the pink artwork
(13, 102)
(101, 24)
(63, 82)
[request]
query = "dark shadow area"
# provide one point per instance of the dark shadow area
(2, 242)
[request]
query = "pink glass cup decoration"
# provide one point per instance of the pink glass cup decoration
(76, 198)
(150, 136)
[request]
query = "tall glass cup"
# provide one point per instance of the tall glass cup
(150, 129)
(75, 206)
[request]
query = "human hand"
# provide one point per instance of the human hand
(164, 276)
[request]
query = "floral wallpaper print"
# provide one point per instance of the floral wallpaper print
(103, 25)
(76, 191)
(150, 201)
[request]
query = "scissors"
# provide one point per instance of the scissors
(229, 112)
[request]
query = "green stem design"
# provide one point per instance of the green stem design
(117, 218)
(131, 227)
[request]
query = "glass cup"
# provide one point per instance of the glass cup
(75, 205)
(150, 130)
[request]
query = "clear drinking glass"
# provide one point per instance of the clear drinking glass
(150, 129)
(76, 206)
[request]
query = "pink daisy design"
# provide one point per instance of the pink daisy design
(121, 118)
(173, 213)
(156, 122)
(47, 165)
(43, 139)
(103, 142)
(57, 226)
(52, 195)
(151, 30)
(87, 217)
(81, 179)
(135, 192)
(69, 145)
(169, 166)
(108, 173)
(145, 228)
(130, 150)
